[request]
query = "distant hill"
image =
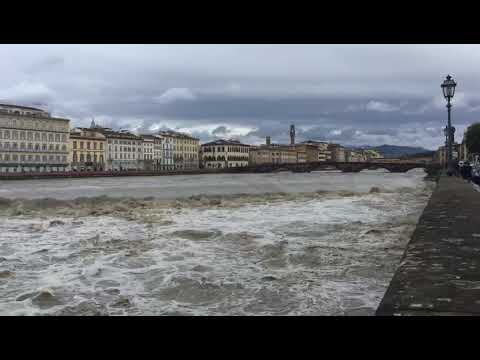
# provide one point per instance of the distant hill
(395, 151)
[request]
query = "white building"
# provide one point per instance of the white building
(158, 151)
(124, 150)
(180, 151)
(225, 153)
(32, 141)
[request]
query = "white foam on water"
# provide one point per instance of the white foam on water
(317, 254)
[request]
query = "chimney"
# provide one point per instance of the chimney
(268, 140)
(292, 134)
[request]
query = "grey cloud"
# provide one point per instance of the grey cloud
(343, 93)
(45, 64)
(391, 132)
(381, 106)
(221, 131)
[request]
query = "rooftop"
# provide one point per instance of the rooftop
(176, 134)
(118, 134)
(224, 142)
(21, 107)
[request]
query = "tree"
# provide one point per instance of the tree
(473, 138)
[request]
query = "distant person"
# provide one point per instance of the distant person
(467, 171)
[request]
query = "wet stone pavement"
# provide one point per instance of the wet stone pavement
(440, 272)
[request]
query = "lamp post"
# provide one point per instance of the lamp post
(448, 88)
(445, 132)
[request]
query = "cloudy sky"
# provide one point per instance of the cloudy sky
(351, 94)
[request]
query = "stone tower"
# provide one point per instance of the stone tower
(292, 134)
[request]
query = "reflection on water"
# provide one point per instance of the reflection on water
(275, 244)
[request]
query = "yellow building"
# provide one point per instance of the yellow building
(87, 150)
(272, 154)
(32, 140)
(180, 151)
(306, 152)
(323, 151)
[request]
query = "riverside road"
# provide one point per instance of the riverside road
(440, 271)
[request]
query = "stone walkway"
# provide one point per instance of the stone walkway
(440, 271)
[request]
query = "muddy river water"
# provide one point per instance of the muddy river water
(322, 243)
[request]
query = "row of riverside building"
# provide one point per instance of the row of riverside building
(31, 140)
(460, 152)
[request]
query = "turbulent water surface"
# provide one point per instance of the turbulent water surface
(323, 243)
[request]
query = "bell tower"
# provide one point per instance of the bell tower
(292, 134)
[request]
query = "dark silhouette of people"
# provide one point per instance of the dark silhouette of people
(466, 171)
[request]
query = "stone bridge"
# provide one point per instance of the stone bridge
(398, 167)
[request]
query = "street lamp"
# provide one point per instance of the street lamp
(448, 88)
(445, 132)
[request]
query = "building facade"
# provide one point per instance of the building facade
(148, 161)
(337, 152)
(180, 151)
(124, 150)
(157, 152)
(87, 150)
(371, 155)
(306, 152)
(354, 156)
(272, 154)
(225, 154)
(323, 153)
(31, 140)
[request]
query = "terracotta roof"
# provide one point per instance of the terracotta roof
(22, 107)
(224, 142)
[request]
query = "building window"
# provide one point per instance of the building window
(57, 147)
(94, 146)
(88, 145)
(74, 144)
(37, 158)
(50, 137)
(50, 147)
(81, 144)
(22, 146)
(44, 137)
(29, 135)
(64, 147)
(57, 137)
(7, 134)
(75, 158)
(44, 147)
(37, 136)
(82, 158)
(22, 135)
(64, 138)
(101, 146)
